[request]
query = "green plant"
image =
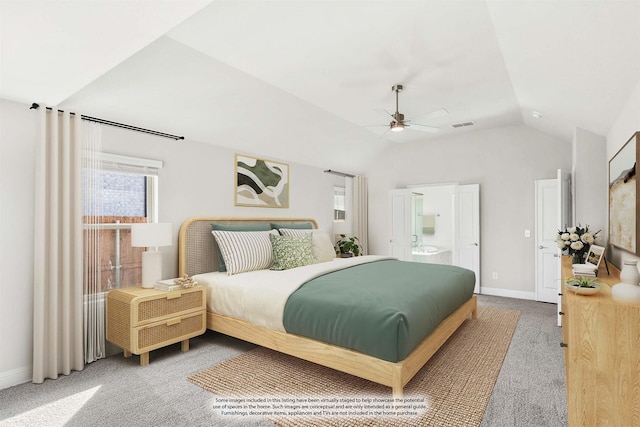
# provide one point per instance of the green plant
(583, 282)
(347, 245)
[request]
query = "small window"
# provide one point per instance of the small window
(339, 209)
(117, 192)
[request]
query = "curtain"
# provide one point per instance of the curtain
(57, 308)
(360, 221)
(94, 298)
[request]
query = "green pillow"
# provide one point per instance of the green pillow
(290, 252)
(235, 227)
(297, 226)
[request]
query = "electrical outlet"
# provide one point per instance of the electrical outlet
(527, 233)
(494, 276)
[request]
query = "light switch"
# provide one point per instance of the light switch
(527, 233)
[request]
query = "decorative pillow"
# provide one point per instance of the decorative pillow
(295, 225)
(244, 251)
(235, 227)
(294, 232)
(321, 247)
(290, 252)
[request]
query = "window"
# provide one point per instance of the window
(339, 209)
(117, 191)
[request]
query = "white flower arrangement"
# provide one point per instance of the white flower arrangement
(576, 241)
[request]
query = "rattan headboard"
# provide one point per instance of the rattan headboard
(196, 249)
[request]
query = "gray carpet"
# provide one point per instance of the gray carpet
(530, 390)
(118, 392)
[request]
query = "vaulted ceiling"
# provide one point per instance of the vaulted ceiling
(308, 81)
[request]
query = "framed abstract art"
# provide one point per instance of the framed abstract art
(261, 182)
(624, 226)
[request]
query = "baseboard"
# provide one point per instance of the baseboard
(16, 376)
(508, 293)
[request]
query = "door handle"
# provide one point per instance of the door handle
(542, 247)
(473, 244)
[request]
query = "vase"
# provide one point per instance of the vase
(628, 289)
(629, 273)
(577, 258)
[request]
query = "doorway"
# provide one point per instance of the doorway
(437, 223)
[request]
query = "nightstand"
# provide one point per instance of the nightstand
(140, 320)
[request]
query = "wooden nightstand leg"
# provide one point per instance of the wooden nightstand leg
(144, 359)
(185, 345)
(127, 353)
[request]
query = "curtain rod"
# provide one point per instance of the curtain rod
(35, 106)
(348, 175)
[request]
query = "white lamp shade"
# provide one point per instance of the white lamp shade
(150, 235)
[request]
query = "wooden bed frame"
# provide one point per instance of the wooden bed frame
(197, 254)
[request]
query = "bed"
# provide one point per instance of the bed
(198, 257)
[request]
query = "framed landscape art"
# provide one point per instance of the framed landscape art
(624, 226)
(261, 182)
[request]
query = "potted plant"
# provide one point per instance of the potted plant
(347, 247)
(576, 241)
(584, 285)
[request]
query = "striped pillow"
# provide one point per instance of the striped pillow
(244, 251)
(294, 232)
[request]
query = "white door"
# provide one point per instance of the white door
(400, 224)
(547, 267)
(565, 215)
(467, 230)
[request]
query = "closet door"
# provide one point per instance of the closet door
(467, 232)
(400, 216)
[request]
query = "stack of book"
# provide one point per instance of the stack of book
(167, 285)
(585, 270)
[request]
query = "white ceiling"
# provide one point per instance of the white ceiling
(304, 80)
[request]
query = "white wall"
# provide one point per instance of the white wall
(17, 187)
(627, 124)
(589, 181)
(505, 162)
(197, 180)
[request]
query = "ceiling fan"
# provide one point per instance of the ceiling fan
(399, 123)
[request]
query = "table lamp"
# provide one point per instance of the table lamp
(151, 235)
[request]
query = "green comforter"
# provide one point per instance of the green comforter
(383, 308)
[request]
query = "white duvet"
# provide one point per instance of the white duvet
(259, 296)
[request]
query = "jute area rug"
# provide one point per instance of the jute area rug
(452, 389)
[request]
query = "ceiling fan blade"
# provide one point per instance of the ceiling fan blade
(433, 115)
(385, 113)
(384, 133)
(375, 126)
(423, 128)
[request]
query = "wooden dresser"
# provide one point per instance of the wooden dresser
(601, 339)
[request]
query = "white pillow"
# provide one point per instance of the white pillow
(244, 251)
(321, 246)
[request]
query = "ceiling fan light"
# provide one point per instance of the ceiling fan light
(397, 127)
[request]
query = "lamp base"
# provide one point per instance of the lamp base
(151, 268)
